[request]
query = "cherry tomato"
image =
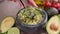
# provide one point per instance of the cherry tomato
(59, 1)
(47, 4)
(56, 5)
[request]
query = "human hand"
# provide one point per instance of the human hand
(29, 3)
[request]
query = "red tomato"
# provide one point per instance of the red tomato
(57, 5)
(47, 4)
(54, 5)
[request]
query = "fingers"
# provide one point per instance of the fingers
(32, 3)
(29, 3)
(20, 4)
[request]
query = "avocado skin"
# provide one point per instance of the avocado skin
(51, 11)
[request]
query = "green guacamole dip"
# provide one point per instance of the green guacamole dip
(30, 16)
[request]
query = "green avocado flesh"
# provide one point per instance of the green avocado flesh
(53, 26)
(59, 18)
(31, 16)
(6, 24)
(13, 30)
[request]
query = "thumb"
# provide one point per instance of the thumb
(20, 4)
(32, 3)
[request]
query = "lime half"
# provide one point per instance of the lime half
(13, 31)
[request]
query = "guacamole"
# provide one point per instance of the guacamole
(31, 16)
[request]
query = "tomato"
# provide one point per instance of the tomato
(47, 4)
(56, 5)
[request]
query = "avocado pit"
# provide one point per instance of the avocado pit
(54, 27)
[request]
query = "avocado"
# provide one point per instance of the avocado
(59, 18)
(53, 26)
(6, 24)
(58, 15)
(51, 11)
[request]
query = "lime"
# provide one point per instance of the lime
(13, 30)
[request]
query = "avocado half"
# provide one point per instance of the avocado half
(6, 24)
(53, 26)
(59, 18)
